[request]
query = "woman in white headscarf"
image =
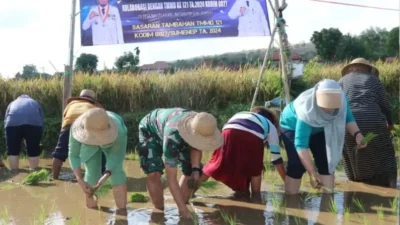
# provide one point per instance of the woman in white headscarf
(316, 122)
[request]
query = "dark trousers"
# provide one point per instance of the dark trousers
(61, 150)
(32, 136)
(295, 168)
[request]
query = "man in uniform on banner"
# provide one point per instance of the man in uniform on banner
(252, 19)
(106, 24)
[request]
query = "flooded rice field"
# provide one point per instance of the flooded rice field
(61, 202)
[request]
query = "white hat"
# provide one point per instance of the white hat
(95, 127)
(200, 131)
(329, 94)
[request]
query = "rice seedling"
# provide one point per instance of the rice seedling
(75, 220)
(394, 205)
(41, 217)
(104, 189)
(380, 213)
(333, 206)
(368, 138)
(37, 176)
(347, 213)
(228, 219)
(359, 204)
(195, 218)
(138, 197)
(4, 215)
(133, 155)
(299, 221)
(209, 184)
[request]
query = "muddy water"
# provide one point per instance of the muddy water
(61, 202)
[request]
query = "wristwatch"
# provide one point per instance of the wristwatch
(197, 169)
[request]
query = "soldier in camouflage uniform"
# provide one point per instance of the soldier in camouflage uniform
(175, 137)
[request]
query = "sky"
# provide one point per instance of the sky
(37, 32)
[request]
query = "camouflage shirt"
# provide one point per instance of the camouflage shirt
(162, 124)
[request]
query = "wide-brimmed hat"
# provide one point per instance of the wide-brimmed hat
(200, 131)
(329, 94)
(360, 61)
(86, 94)
(95, 127)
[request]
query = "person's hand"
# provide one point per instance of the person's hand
(390, 127)
(86, 187)
(242, 10)
(193, 180)
(92, 14)
(186, 214)
(359, 139)
(315, 180)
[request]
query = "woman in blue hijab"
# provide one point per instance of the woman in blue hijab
(316, 122)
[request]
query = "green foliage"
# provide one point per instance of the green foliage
(349, 48)
(37, 176)
(326, 42)
(104, 189)
(30, 72)
(374, 41)
(209, 184)
(86, 63)
(392, 42)
(138, 197)
(128, 62)
(368, 138)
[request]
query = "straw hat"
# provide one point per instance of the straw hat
(360, 61)
(200, 131)
(86, 94)
(329, 94)
(95, 127)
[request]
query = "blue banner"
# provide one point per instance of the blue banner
(110, 22)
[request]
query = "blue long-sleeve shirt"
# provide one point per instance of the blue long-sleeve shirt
(303, 131)
(24, 111)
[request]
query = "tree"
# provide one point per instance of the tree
(374, 40)
(392, 42)
(128, 62)
(350, 48)
(86, 63)
(326, 42)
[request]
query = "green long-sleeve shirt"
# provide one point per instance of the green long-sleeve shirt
(115, 152)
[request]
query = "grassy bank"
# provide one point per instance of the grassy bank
(218, 91)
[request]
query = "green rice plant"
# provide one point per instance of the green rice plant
(333, 206)
(4, 215)
(228, 219)
(394, 205)
(37, 176)
(347, 213)
(133, 155)
(75, 220)
(380, 213)
(138, 197)
(104, 189)
(209, 184)
(195, 218)
(359, 204)
(368, 138)
(299, 221)
(41, 217)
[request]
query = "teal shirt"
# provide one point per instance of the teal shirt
(115, 152)
(303, 131)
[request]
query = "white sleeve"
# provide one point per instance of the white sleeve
(88, 22)
(273, 142)
(120, 34)
(263, 19)
(235, 10)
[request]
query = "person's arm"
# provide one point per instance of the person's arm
(351, 124)
(172, 173)
(7, 111)
(383, 100)
(88, 22)
(234, 13)
(120, 34)
(276, 158)
(302, 138)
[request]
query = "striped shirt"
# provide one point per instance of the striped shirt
(260, 127)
